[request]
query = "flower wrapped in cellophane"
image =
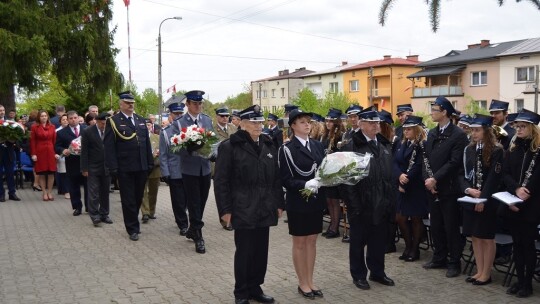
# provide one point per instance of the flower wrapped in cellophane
(341, 168)
(11, 131)
(75, 146)
(195, 140)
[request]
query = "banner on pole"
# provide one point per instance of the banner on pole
(126, 2)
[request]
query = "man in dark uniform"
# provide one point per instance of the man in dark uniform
(403, 112)
(7, 165)
(444, 151)
(499, 111)
(274, 131)
(352, 118)
(128, 154)
(195, 169)
(370, 204)
(169, 164)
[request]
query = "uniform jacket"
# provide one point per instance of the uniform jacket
(127, 155)
(247, 184)
(277, 136)
(222, 135)
(93, 152)
(63, 140)
(192, 164)
(374, 196)
(514, 168)
(415, 190)
(293, 181)
(445, 155)
(169, 163)
(42, 141)
(154, 143)
(491, 175)
(505, 141)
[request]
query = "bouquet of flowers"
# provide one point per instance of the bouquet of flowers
(341, 168)
(194, 138)
(11, 131)
(75, 146)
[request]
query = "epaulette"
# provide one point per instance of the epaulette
(167, 127)
(206, 115)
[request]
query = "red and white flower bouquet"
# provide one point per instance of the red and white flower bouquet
(195, 140)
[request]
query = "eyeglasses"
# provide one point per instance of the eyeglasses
(517, 127)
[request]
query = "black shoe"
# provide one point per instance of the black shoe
(524, 292)
(332, 234)
(262, 298)
(382, 280)
(414, 257)
(134, 236)
(228, 228)
(190, 234)
(318, 293)
(346, 239)
(106, 220)
(77, 212)
(96, 222)
(514, 289)
(453, 272)
(14, 197)
(403, 256)
(2, 198)
(308, 295)
(145, 218)
(362, 284)
(470, 280)
(183, 231)
(199, 246)
(481, 283)
(434, 265)
(38, 188)
(241, 301)
(152, 216)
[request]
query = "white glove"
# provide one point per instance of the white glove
(312, 185)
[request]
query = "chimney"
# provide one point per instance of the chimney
(472, 46)
(387, 57)
(412, 57)
(344, 63)
(484, 43)
(283, 73)
(300, 69)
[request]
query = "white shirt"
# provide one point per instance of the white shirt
(303, 142)
(443, 128)
(369, 139)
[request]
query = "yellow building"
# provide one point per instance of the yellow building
(382, 83)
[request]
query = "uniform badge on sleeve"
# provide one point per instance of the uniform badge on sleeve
(498, 168)
(269, 155)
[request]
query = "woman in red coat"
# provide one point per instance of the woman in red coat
(42, 139)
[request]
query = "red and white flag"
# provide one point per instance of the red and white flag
(172, 89)
(382, 103)
(126, 2)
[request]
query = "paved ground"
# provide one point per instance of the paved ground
(49, 256)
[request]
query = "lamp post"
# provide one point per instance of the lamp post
(160, 90)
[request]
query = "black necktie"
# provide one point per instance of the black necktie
(373, 143)
(131, 121)
(408, 144)
(195, 122)
(307, 146)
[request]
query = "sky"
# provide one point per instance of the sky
(221, 46)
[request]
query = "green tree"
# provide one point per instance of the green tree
(434, 10)
(45, 99)
(473, 106)
(308, 101)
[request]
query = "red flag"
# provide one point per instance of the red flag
(172, 89)
(126, 2)
(382, 103)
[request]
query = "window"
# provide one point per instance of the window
(454, 104)
(525, 74)
(482, 104)
(478, 78)
(274, 108)
(520, 103)
(353, 74)
(273, 93)
(258, 94)
(264, 93)
(282, 92)
(333, 87)
(353, 86)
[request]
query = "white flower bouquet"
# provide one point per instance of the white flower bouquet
(194, 138)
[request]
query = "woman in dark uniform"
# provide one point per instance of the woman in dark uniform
(480, 178)
(412, 201)
(298, 162)
(521, 176)
(333, 133)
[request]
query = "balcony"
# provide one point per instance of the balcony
(381, 92)
(438, 91)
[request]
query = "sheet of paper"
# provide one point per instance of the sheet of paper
(472, 200)
(507, 198)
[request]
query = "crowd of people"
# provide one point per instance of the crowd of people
(260, 171)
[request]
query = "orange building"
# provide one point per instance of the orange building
(382, 83)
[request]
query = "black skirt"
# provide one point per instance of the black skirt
(481, 225)
(305, 223)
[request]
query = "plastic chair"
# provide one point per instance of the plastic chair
(26, 165)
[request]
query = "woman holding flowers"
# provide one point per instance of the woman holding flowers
(298, 161)
(42, 139)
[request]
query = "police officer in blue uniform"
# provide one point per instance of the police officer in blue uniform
(196, 173)
(128, 154)
(170, 165)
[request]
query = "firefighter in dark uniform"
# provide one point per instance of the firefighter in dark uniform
(403, 112)
(499, 111)
(128, 154)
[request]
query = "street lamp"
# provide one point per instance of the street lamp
(160, 91)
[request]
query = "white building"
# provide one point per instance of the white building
(330, 80)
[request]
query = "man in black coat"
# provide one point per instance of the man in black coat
(64, 137)
(249, 195)
(93, 168)
(370, 204)
(444, 151)
(402, 112)
(128, 154)
(499, 111)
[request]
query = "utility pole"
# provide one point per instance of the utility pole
(260, 95)
(370, 73)
(536, 76)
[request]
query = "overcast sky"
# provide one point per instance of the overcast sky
(202, 50)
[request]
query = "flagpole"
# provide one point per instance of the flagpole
(129, 44)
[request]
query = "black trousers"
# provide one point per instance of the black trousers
(445, 219)
(98, 195)
(250, 261)
(75, 183)
(131, 193)
(196, 190)
(524, 235)
(178, 202)
(363, 233)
